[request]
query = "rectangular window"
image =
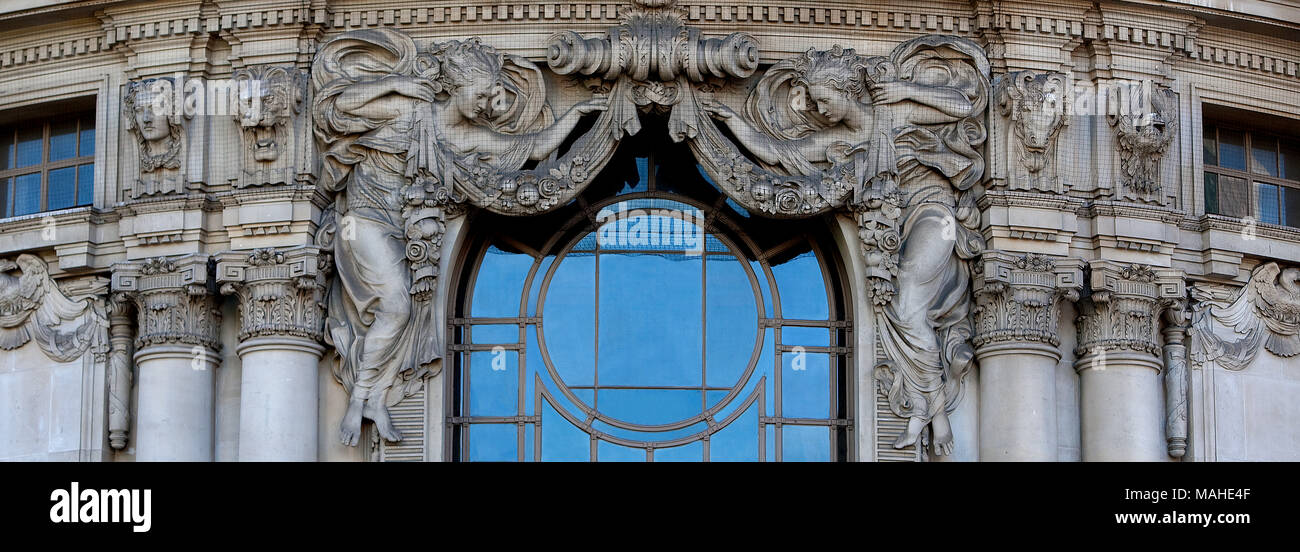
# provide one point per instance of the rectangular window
(1251, 173)
(47, 164)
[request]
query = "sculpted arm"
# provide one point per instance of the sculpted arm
(368, 99)
(549, 139)
(935, 104)
(764, 147)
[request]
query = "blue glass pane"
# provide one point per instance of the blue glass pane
(650, 406)
(561, 440)
(494, 383)
(493, 443)
(643, 177)
(63, 188)
(29, 147)
(1211, 193)
(27, 194)
(569, 310)
(805, 444)
(536, 288)
(650, 230)
(1232, 149)
(796, 335)
(764, 286)
(63, 140)
(762, 369)
(1263, 153)
(732, 320)
(805, 383)
(495, 334)
(737, 442)
(801, 288)
(500, 283)
(87, 141)
(712, 397)
(650, 319)
(609, 452)
(690, 452)
(1268, 204)
(86, 184)
(648, 436)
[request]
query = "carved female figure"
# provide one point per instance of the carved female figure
(155, 122)
(399, 128)
(908, 124)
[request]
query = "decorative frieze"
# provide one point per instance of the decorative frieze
(281, 292)
(1016, 297)
(1121, 306)
(174, 302)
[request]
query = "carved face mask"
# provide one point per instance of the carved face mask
(152, 125)
(475, 97)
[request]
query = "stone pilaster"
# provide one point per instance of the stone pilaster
(1118, 360)
(120, 332)
(281, 318)
(1016, 322)
(176, 354)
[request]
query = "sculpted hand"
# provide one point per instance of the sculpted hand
(717, 110)
(890, 92)
(590, 106)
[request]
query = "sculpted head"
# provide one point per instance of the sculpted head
(833, 80)
(268, 97)
(146, 106)
(471, 74)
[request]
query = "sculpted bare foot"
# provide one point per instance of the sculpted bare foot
(942, 434)
(914, 427)
(350, 429)
(379, 414)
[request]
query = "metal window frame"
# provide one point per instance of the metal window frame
(458, 388)
(45, 166)
(1249, 175)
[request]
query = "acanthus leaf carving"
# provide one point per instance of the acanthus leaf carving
(281, 292)
(173, 301)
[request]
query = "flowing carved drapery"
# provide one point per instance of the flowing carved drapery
(413, 134)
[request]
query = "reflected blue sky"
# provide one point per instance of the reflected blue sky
(619, 325)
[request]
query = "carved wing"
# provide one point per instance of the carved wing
(1277, 303)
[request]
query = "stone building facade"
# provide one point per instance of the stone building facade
(330, 230)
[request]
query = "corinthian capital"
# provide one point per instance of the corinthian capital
(1122, 306)
(280, 290)
(173, 301)
(1016, 297)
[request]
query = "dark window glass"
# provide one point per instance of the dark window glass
(1291, 206)
(4, 197)
(1268, 203)
(63, 140)
(6, 148)
(1232, 149)
(1290, 168)
(1211, 193)
(1211, 153)
(1234, 197)
(62, 188)
(27, 194)
(1263, 154)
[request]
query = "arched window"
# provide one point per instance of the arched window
(651, 320)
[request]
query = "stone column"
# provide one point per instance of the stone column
(1016, 343)
(1118, 360)
(176, 355)
(280, 322)
(1176, 382)
(119, 368)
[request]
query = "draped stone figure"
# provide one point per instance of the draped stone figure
(401, 129)
(893, 139)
